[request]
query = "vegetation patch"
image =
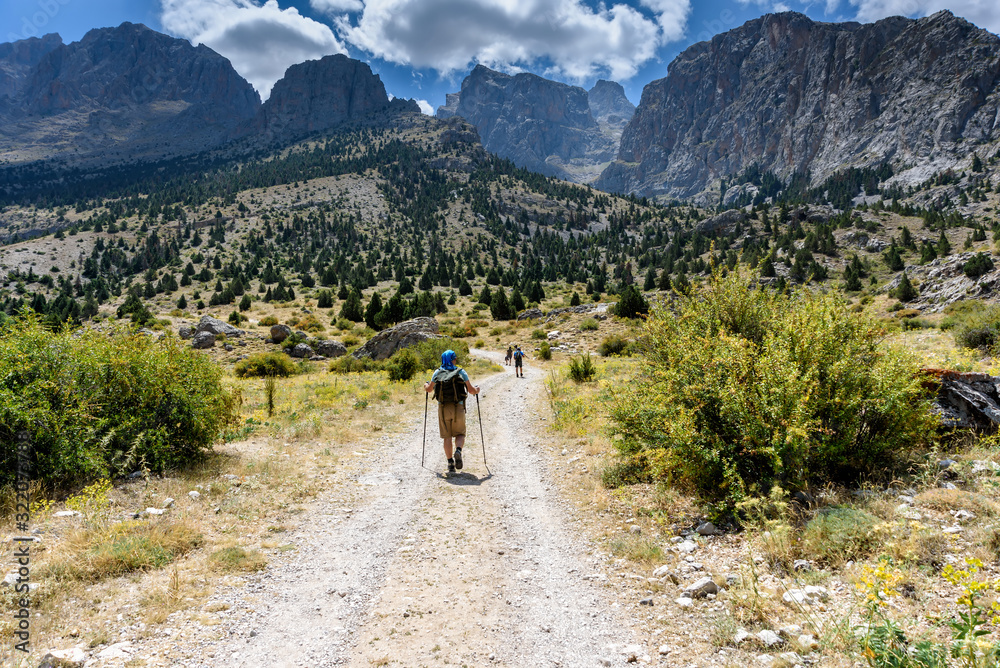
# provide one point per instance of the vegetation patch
(237, 560)
(745, 387)
(98, 403)
(260, 365)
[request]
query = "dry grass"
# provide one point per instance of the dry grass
(120, 548)
(958, 499)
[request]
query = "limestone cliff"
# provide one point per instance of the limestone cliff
(542, 125)
(791, 94)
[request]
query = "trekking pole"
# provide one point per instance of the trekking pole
(479, 412)
(423, 448)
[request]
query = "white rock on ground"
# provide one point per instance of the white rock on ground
(74, 657)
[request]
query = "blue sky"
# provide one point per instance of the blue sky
(424, 48)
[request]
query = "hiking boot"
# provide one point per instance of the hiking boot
(451, 466)
(458, 458)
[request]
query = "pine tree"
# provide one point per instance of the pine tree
(372, 311)
(486, 297)
(500, 306)
(943, 245)
(245, 303)
(517, 301)
(905, 292)
(352, 309)
(631, 303)
(324, 299)
(893, 259)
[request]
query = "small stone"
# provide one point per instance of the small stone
(807, 643)
(687, 547)
(742, 636)
(948, 485)
(769, 638)
(66, 513)
(406, 613)
(661, 571)
(676, 539)
(790, 631)
(635, 529)
(801, 565)
(963, 515)
(118, 651)
(905, 498)
(167, 502)
(732, 579)
(954, 529)
(685, 602)
(10, 579)
(604, 661)
(646, 601)
(791, 658)
(74, 657)
(194, 494)
(663, 650)
(707, 529)
(701, 588)
(253, 633)
(983, 465)
(945, 463)
(155, 511)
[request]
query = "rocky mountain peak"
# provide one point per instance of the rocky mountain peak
(321, 94)
(789, 94)
(609, 105)
(18, 58)
(543, 125)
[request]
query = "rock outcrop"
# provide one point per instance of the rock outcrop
(405, 334)
(943, 281)
(609, 106)
(129, 92)
(966, 400)
(789, 94)
(321, 94)
(18, 59)
(542, 125)
(215, 326)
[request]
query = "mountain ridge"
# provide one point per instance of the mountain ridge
(789, 94)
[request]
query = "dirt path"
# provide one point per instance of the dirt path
(411, 567)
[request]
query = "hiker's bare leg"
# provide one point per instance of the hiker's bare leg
(447, 447)
(460, 441)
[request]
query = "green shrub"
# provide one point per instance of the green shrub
(95, 404)
(260, 365)
(979, 330)
(539, 334)
(582, 369)
(268, 321)
(545, 351)
(428, 352)
(745, 387)
(402, 365)
(588, 325)
(631, 471)
(978, 264)
(837, 535)
(631, 303)
(351, 364)
(612, 345)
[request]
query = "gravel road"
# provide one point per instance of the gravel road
(424, 568)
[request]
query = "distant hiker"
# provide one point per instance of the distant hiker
(450, 385)
(518, 362)
(510, 355)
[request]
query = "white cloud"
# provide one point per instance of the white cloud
(334, 7)
(261, 41)
(576, 41)
(425, 107)
(984, 13)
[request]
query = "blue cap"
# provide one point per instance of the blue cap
(448, 359)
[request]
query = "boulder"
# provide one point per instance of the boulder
(74, 657)
(329, 348)
(185, 332)
(405, 334)
(216, 326)
(530, 314)
(301, 350)
(203, 340)
(701, 588)
(280, 332)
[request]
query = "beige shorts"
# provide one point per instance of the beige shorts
(451, 420)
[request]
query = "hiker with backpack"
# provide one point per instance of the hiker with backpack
(450, 385)
(509, 357)
(518, 363)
